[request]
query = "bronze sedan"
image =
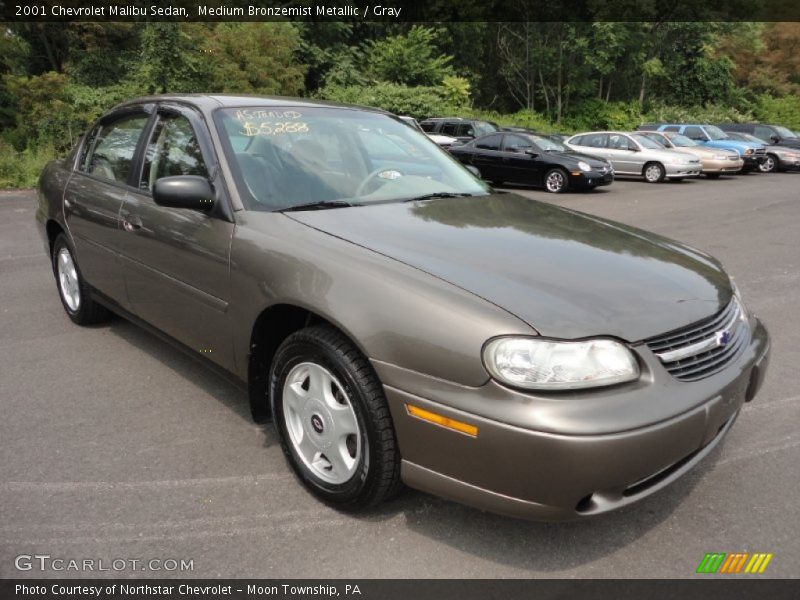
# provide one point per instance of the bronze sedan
(714, 161)
(396, 318)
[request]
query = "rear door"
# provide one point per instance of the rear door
(95, 194)
(177, 260)
(488, 158)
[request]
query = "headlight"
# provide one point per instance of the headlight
(584, 166)
(749, 151)
(541, 364)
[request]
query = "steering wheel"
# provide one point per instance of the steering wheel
(368, 179)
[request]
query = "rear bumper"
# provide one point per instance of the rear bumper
(791, 164)
(546, 475)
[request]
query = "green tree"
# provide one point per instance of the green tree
(170, 59)
(409, 59)
(254, 58)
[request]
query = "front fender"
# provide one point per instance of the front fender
(394, 313)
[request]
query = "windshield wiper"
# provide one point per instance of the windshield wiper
(322, 205)
(439, 195)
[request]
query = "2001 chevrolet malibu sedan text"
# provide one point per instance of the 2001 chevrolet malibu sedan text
(397, 318)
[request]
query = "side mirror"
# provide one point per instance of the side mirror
(473, 170)
(775, 139)
(531, 153)
(184, 191)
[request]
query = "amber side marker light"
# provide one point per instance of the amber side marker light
(426, 415)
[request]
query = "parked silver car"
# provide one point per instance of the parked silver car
(634, 154)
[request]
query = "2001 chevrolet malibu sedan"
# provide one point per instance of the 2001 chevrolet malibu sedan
(397, 318)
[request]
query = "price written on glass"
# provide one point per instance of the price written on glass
(273, 128)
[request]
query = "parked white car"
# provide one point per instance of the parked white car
(636, 155)
(443, 140)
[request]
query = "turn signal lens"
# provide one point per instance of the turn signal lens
(426, 415)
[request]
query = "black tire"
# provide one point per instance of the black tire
(713, 175)
(650, 170)
(87, 311)
(377, 474)
(496, 183)
(770, 164)
(556, 181)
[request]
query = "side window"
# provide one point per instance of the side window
(449, 129)
(579, 140)
(110, 152)
(173, 150)
(466, 130)
(618, 142)
(516, 143)
(490, 142)
(597, 140)
(695, 133)
(674, 128)
(428, 126)
(764, 133)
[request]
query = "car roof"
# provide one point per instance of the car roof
(209, 102)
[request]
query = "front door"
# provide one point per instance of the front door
(518, 164)
(488, 159)
(177, 260)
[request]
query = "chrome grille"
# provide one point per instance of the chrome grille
(733, 157)
(760, 151)
(703, 348)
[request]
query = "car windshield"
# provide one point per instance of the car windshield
(547, 143)
(657, 138)
(285, 157)
(783, 132)
(646, 142)
(715, 133)
(751, 138)
(682, 141)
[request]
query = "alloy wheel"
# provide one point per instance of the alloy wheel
(653, 173)
(555, 181)
(321, 423)
(768, 166)
(68, 283)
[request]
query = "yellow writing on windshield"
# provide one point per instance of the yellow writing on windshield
(273, 128)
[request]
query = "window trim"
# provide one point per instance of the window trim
(112, 117)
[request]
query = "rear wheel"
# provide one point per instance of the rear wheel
(654, 172)
(333, 420)
(555, 181)
(770, 164)
(74, 292)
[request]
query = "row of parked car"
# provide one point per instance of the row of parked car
(655, 152)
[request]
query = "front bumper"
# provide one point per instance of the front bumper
(752, 162)
(713, 165)
(682, 170)
(549, 474)
(591, 179)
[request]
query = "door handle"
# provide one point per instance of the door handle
(131, 223)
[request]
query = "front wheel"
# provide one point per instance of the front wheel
(654, 172)
(333, 420)
(555, 181)
(74, 292)
(770, 164)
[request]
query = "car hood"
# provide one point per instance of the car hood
(575, 157)
(566, 274)
(732, 144)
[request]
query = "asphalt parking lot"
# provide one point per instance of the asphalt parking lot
(114, 445)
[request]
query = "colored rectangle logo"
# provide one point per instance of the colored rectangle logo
(734, 563)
